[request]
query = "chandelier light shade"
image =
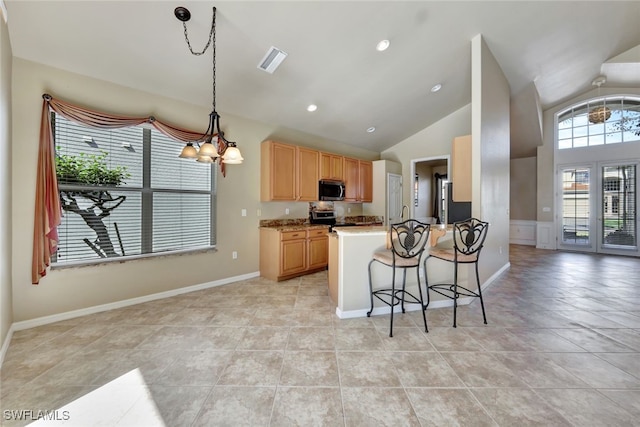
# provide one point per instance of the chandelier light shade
(213, 143)
(599, 114)
(189, 152)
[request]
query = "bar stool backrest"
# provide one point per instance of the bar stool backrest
(408, 238)
(469, 235)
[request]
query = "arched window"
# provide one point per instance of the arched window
(607, 120)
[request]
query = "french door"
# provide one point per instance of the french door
(598, 207)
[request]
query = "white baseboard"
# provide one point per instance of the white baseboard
(5, 344)
(45, 320)
(350, 314)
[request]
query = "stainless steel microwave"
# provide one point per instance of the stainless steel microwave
(331, 190)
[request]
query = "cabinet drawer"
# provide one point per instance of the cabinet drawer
(292, 235)
(316, 233)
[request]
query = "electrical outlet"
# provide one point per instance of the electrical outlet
(286, 211)
(234, 255)
(259, 212)
(348, 210)
(244, 212)
(500, 249)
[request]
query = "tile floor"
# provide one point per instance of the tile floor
(562, 347)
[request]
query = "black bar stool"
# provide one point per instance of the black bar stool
(468, 239)
(408, 240)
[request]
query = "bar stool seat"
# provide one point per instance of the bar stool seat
(407, 240)
(468, 239)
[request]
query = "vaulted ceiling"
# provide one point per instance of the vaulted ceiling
(549, 52)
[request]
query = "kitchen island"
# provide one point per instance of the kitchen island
(351, 250)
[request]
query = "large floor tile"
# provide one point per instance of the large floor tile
(587, 407)
(255, 368)
(448, 407)
(376, 406)
(482, 370)
(237, 406)
(307, 406)
(367, 369)
(517, 406)
(310, 368)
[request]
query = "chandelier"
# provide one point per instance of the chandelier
(601, 113)
(214, 143)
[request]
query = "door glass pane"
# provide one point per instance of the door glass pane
(619, 206)
(575, 206)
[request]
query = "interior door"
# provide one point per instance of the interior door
(394, 198)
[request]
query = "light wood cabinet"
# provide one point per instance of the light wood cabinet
(461, 168)
(293, 256)
(277, 171)
(331, 166)
(307, 174)
(358, 180)
(351, 180)
(288, 172)
(365, 180)
(287, 254)
(317, 249)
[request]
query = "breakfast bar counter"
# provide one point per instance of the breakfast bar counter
(351, 250)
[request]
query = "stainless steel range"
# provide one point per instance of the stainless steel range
(322, 213)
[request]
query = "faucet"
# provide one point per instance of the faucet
(403, 208)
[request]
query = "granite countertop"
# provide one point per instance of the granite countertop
(290, 224)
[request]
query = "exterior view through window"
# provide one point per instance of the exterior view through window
(598, 122)
(125, 192)
(599, 194)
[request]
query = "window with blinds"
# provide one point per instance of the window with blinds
(125, 193)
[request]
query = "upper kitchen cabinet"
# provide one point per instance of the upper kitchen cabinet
(307, 176)
(461, 168)
(277, 171)
(366, 180)
(288, 172)
(331, 166)
(358, 180)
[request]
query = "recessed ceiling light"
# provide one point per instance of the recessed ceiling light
(312, 107)
(371, 129)
(436, 88)
(382, 45)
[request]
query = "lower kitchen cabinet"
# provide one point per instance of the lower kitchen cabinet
(291, 253)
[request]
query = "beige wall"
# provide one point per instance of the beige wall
(433, 141)
(490, 146)
(69, 289)
(6, 309)
(523, 189)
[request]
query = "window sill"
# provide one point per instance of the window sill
(120, 260)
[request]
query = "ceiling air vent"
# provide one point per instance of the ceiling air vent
(272, 60)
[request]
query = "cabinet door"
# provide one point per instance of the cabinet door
(461, 168)
(331, 166)
(293, 256)
(318, 252)
(366, 181)
(351, 180)
(278, 171)
(308, 165)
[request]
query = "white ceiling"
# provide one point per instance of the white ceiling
(550, 49)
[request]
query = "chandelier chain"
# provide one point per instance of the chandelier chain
(212, 39)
